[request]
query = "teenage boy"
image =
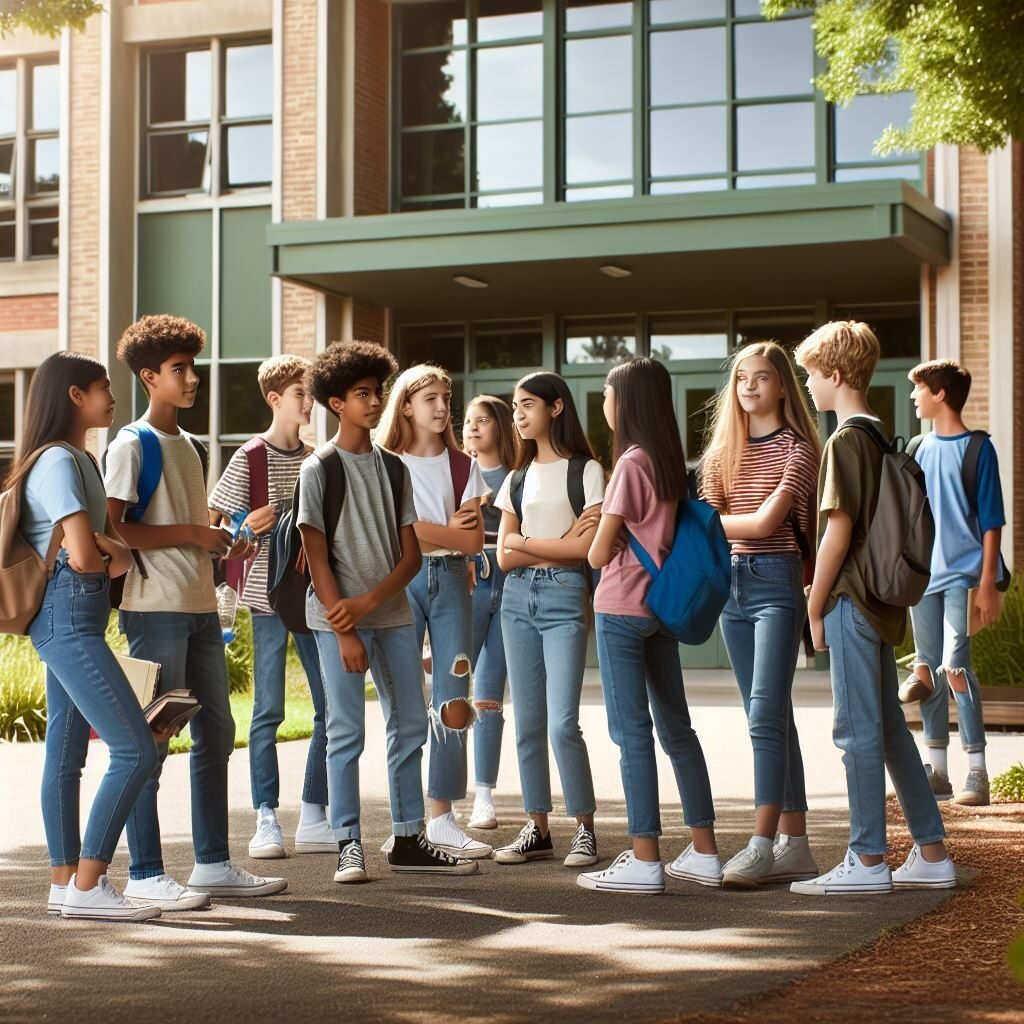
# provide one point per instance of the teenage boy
(358, 610)
(968, 529)
(265, 470)
(169, 611)
(859, 631)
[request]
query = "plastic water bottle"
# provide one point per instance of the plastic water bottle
(227, 608)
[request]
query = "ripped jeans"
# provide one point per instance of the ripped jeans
(489, 673)
(942, 644)
(439, 596)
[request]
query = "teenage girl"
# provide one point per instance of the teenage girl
(64, 517)
(760, 471)
(489, 437)
(640, 671)
(417, 425)
(542, 546)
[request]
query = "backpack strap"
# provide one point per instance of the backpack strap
(515, 492)
(151, 469)
(969, 467)
(866, 426)
(334, 491)
(574, 484)
(395, 469)
(643, 556)
(459, 465)
(204, 456)
(259, 475)
(913, 444)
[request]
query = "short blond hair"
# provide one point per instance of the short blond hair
(279, 372)
(848, 346)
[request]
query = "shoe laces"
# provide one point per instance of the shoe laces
(433, 851)
(528, 834)
(239, 876)
(352, 857)
(110, 893)
(268, 829)
(584, 842)
(623, 861)
(168, 886)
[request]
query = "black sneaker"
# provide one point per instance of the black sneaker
(351, 865)
(582, 849)
(528, 845)
(414, 853)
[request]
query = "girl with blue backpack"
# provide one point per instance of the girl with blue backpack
(640, 671)
(760, 471)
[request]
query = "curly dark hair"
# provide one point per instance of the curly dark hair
(342, 364)
(152, 340)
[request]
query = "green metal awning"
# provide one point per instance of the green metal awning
(863, 241)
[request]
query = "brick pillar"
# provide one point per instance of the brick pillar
(974, 292)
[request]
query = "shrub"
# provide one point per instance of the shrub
(1010, 784)
(997, 653)
(22, 691)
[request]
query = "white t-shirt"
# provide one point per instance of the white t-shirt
(432, 486)
(547, 514)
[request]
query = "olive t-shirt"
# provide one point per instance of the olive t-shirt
(848, 481)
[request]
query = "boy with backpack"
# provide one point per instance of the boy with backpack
(156, 499)
(962, 475)
(868, 493)
(355, 514)
(256, 486)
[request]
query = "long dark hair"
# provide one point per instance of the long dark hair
(508, 440)
(644, 416)
(49, 411)
(567, 435)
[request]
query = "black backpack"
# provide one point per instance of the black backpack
(286, 584)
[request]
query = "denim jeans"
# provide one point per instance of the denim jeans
(189, 648)
(270, 643)
(641, 676)
(870, 730)
(395, 661)
(489, 672)
(544, 626)
(942, 643)
(439, 596)
(762, 624)
(86, 687)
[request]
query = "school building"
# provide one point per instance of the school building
(497, 185)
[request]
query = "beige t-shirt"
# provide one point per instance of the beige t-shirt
(547, 513)
(180, 579)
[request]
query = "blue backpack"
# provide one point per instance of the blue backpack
(689, 591)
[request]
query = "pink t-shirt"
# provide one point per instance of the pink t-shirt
(652, 520)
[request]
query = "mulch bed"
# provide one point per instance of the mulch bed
(949, 965)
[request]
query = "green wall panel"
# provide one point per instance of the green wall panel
(245, 284)
(176, 265)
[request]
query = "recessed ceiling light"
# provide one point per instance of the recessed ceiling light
(611, 270)
(469, 282)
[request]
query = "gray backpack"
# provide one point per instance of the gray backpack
(902, 530)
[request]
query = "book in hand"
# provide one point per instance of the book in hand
(172, 710)
(143, 677)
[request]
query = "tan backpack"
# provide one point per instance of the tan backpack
(23, 574)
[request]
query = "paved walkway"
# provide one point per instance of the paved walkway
(509, 944)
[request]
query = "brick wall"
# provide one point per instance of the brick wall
(373, 79)
(369, 323)
(28, 312)
(974, 326)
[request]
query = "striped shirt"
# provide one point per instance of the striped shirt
(231, 495)
(779, 461)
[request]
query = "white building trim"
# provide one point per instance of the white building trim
(947, 278)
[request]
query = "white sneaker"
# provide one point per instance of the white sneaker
(227, 880)
(268, 843)
(316, 838)
(103, 903)
(749, 868)
(626, 874)
(793, 860)
(917, 873)
(445, 835)
(351, 865)
(56, 898)
(702, 868)
(164, 892)
(484, 815)
(850, 877)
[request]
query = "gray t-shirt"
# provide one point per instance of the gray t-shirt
(365, 546)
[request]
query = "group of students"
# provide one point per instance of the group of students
(491, 550)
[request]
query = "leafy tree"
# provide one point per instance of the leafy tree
(46, 17)
(960, 58)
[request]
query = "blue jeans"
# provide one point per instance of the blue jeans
(762, 624)
(439, 597)
(940, 636)
(641, 676)
(870, 730)
(270, 642)
(190, 651)
(395, 661)
(489, 673)
(544, 625)
(86, 687)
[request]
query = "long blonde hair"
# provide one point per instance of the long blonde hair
(729, 425)
(395, 430)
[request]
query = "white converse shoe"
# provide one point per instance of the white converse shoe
(445, 835)
(626, 874)
(917, 873)
(56, 898)
(702, 868)
(268, 843)
(484, 816)
(793, 861)
(103, 903)
(227, 880)
(316, 838)
(850, 877)
(164, 892)
(749, 868)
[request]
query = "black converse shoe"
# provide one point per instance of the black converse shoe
(414, 853)
(582, 849)
(528, 845)
(351, 865)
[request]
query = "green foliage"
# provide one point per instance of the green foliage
(1015, 954)
(961, 59)
(45, 17)
(239, 654)
(997, 652)
(22, 691)
(1010, 784)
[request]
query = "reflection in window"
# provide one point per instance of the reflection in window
(444, 344)
(505, 345)
(434, 88)
(689, 142)
(248, 155)
(663, 12)
(786, 326)
(496, 67)
(611, 340)
(45, 98)
(44, 166)
(6, 170)
(179, 86)
(774, 58)
(689, 336)
(581, 15)
(509, 156)
(598, 431)
(177, 162)
(8, 233)
(43, 232)
(239, 414)
(598, 74)
(897, 325)
(859, 126)
(249, 81)
(698, 415)
(775, 135)
(688, 67)
(424, 25)
(8, 101)
(598, 149)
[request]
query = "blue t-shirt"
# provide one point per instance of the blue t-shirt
(960, 523)
(59, 485)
